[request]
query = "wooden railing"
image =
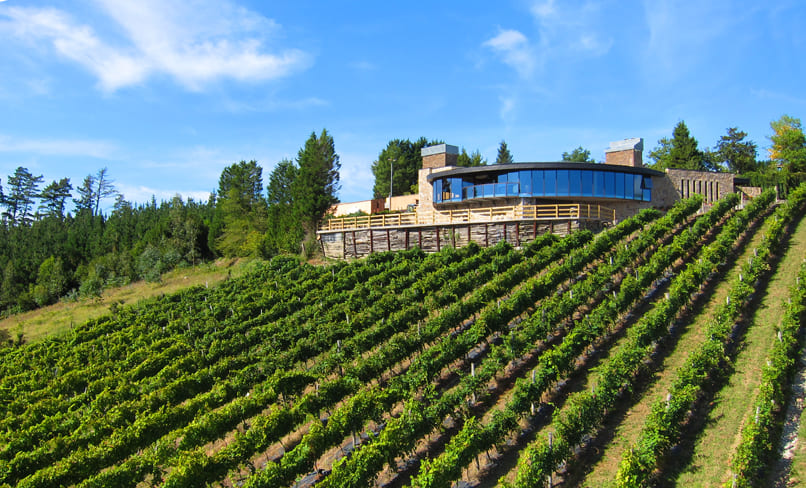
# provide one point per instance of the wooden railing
(487, 214)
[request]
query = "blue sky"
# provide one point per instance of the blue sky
(166, 93)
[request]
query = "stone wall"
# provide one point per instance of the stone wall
(712, 186)
(351, 244)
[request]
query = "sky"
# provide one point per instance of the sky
(166, 93)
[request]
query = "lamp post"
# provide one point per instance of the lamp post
(391, 180)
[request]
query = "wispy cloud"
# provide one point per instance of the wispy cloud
(576, 27)
(567, 31)
(194, 42)
(515, 51)
(564, 36)
(58, 147)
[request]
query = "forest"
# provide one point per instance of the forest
(58, 241)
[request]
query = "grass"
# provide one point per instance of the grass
(55, 319)
(603, 472)
(714, 448)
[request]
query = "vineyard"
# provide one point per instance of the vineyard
(468, 367)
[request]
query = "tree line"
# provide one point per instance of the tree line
(733, 152)
(50, 249)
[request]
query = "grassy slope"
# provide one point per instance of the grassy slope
(715, 446)
(603, 472)
(55, 319)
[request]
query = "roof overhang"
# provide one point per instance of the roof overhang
(505, 168)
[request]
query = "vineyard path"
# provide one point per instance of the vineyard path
(603, 472)
(790, 468)
(732, 405)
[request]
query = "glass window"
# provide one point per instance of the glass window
(599, 183)
(619, 191)
(550, 183)
(438, 191)
(562, 182)
(638, 193)
(586, 179)
(647, 195)
(574, 185)
(647, 182)
(610, 184)
(502, 178)
(537, 182)
(455, 189)
(525, 178)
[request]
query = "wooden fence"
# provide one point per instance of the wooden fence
(579, 211)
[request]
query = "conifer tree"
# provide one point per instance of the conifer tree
(317, 181)
(504, 156)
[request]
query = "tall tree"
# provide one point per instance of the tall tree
(86, 196)
(738, 155)
(470, 160)
(54, 197)
(685, 153)
(104, 188)
(679, 152)
(788, 143)
(284, 232)
(23, 189)
(280, 183)
(242, 183)
(317, 181)
(504, 156)
(660, 154)
(93, 190)
(399, 162)
(240, 209)
(578, 155)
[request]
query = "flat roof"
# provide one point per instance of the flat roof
(504, 168)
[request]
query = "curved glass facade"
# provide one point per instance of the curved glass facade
(553, 182)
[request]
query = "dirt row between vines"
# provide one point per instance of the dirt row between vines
(598, 462)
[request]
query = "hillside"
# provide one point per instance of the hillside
(54, 320)
(491, 366)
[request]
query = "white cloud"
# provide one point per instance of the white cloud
(515, 51)
(195, 42)
(574, 27)
(58, 147)
(565, 35)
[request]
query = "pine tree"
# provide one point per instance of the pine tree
(679, 152)
(684, 153)
(738, 155)
(54, 197)
(504, 156)
(317, 181)
(23, 188)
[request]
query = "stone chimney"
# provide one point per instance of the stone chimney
(626, 152)
(439, 156)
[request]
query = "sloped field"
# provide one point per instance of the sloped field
(485, 365)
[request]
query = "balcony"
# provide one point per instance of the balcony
(573, 211)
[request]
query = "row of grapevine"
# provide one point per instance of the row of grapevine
(417, 419)
(584, 411)
(763, 426)
(474, 439)
(662, 428)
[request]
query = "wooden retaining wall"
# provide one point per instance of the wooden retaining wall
(357, 243)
